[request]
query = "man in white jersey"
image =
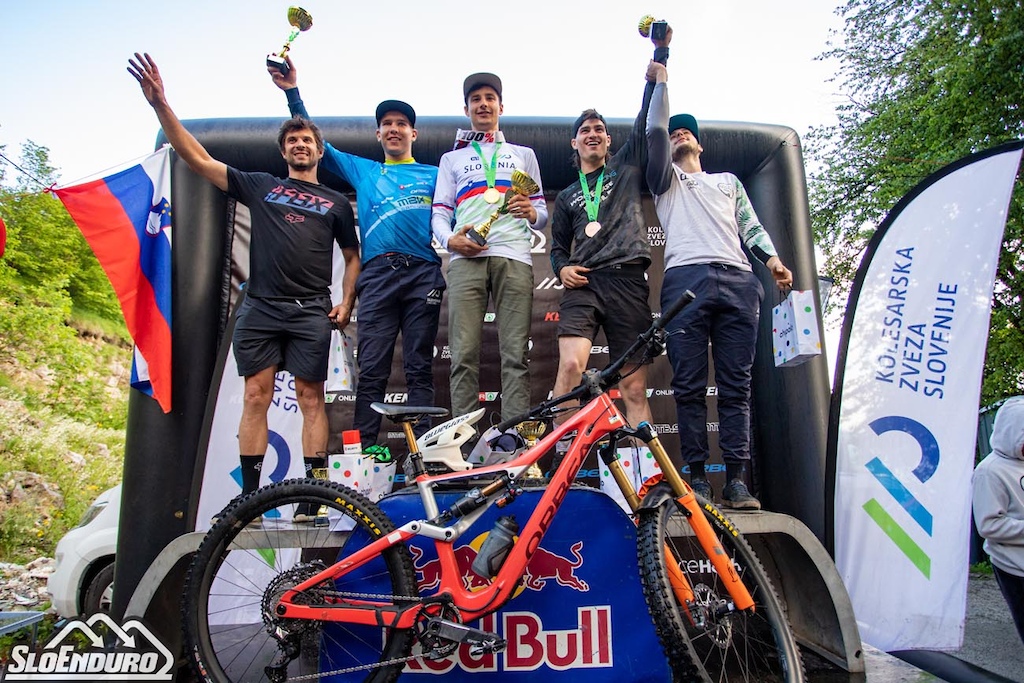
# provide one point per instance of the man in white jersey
(706, 217)
(472, 182)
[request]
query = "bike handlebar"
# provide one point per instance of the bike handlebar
(608, 377)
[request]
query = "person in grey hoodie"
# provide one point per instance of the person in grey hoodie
(999, 505)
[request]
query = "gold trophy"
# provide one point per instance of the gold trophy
(301, 20)
(321, 519)
(521, 184)
(531, 430)
(652, 28)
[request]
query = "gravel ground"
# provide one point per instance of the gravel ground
(990, 638)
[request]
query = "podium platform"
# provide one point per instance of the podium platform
(593, 563)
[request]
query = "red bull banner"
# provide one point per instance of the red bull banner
(579, 614)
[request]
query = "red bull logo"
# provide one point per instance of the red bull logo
(531, 646)
(544, 566)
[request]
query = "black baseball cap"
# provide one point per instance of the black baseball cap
(684, 121)
(399, 106)
(584, 117)
(474, 81)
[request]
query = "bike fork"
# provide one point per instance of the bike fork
(684, 497)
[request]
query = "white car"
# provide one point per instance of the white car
(82, 581)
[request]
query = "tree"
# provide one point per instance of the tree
(927, 82)
(49, 278)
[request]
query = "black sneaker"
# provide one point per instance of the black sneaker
(736, 496)
(304, 513)
(702, 487)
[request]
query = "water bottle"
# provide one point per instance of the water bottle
(495, 547)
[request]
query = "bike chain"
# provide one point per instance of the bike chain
(364, 667)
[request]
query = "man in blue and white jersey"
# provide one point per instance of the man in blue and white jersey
(400, 286)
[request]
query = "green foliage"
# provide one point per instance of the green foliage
(927, 82)
(63, 384)
(82, 460)
(47, 272)
(984, 568)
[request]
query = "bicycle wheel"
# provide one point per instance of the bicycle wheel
(255, 552)
(707, 641)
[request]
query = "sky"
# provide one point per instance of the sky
(66, 87)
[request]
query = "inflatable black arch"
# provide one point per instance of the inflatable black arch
(162, 453)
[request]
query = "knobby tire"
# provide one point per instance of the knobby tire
(733, 646)
(238, 570)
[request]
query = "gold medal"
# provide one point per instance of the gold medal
(491, 196)
(593, 227)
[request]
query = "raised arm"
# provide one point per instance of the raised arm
(290, 84)
(337, 162)
(144, 69)
(635, 146)
(659, 148)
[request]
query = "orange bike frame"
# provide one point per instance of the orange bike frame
(592, 422)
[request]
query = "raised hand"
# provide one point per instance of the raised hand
(144, 69)
(284, 81)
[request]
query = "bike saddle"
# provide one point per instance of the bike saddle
(403, 413)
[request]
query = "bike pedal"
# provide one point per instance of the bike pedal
(479, 642)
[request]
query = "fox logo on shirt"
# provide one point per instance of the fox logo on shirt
(293, 198)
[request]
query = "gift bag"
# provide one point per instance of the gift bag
(639, 466)
(366, 475)
(352, 470)
(795, 334)
(341, 364)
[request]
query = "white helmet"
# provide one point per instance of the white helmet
(443, 443)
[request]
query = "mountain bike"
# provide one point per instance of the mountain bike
(270, 600)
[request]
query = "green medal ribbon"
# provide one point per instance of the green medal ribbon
(489, 171)
(593, 202)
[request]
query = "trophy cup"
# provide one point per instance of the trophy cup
(531, 430)
(650, 27)
(521, 184)
(321, 519)
(300, 20)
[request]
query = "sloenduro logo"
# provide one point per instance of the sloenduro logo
(138, 655)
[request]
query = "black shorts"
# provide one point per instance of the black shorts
(293, 335)
(616, 300)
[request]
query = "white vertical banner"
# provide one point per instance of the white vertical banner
(907, 394)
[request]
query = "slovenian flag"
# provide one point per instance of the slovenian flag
(126, 219)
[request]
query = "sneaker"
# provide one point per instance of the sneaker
(702, 487)
(304, 513)
(736, 496)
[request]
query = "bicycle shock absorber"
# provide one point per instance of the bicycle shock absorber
(477, 497)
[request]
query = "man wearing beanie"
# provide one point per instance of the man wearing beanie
(472, 182)
(706, 217)
(600, 251)
(400, 285)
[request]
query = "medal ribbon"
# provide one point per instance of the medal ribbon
(489, 171)
(592, 202)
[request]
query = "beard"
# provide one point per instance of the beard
(683, 150)
(301, 165)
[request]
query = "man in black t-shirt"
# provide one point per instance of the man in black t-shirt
(285, 320)
(600, 251)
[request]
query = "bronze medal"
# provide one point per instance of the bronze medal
(593, 227)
